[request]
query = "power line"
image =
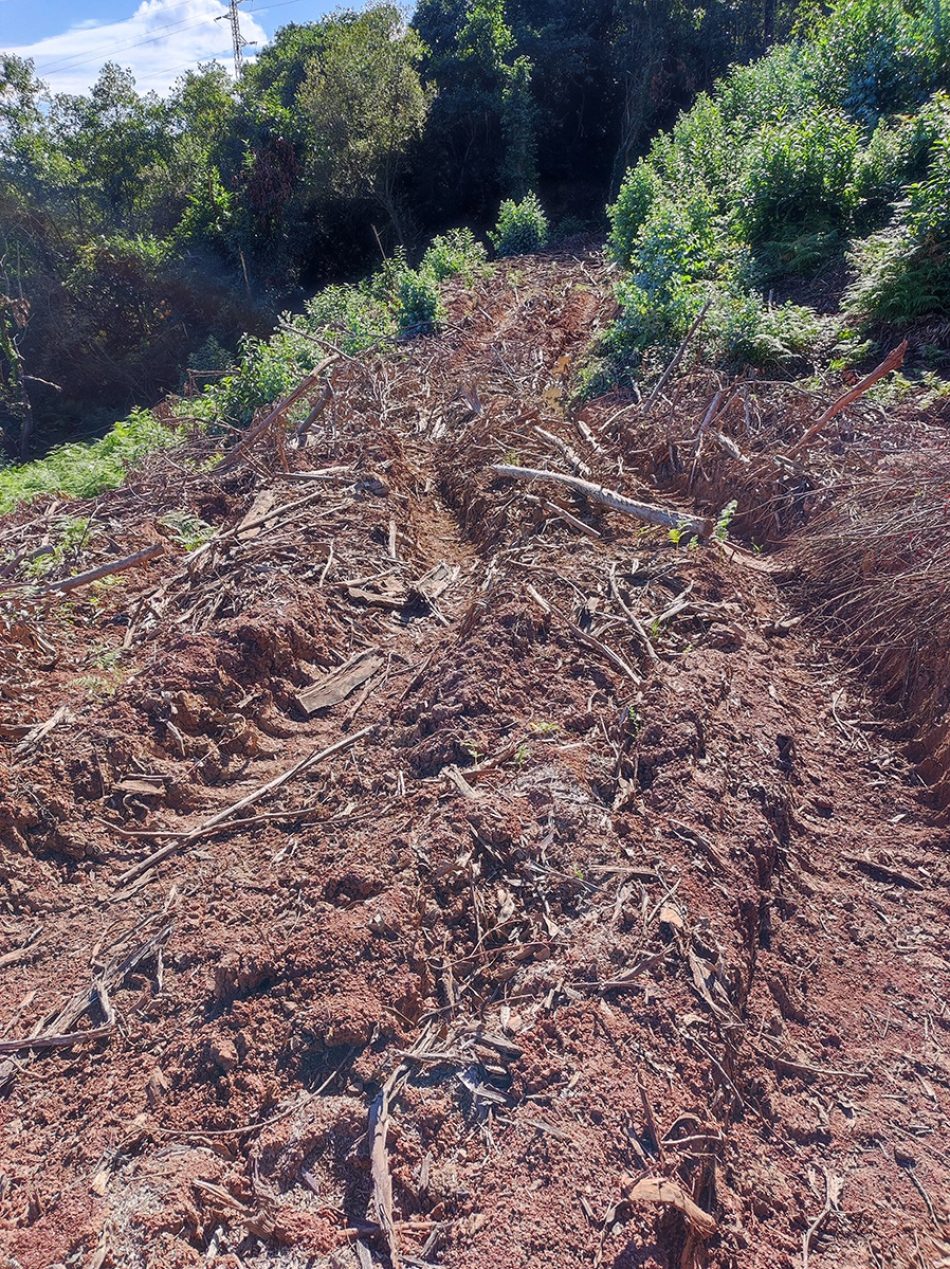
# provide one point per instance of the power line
(82, 59)
(85, 59)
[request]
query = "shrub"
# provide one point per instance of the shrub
(903, 271)
(798, 175)
(772, 172)
(638, 193)
(878, 57)
(455, 254)
(420, 310)
(353, 316)
(522, 227)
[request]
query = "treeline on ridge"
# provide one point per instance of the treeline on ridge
(140, 236)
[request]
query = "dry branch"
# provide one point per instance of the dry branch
(646, 511)
(105, 570)
(893, 360)
(677, 357)
(249, 799)
(279, 410)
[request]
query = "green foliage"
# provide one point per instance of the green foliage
(420, 306)
(724, 519)
(521, 228)
(189, 530)
(797, 175)
(769, 176)
(84, 470)
(367, 105)
(455, 254)
(903, 271)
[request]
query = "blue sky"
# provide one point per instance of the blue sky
(69, 40)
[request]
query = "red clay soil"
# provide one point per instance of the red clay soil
(571, 954)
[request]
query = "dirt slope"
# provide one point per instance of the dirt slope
(556, 917)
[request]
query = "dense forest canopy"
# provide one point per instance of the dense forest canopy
(140, 236)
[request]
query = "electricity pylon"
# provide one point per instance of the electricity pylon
(237, 39)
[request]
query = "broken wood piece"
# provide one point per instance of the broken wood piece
(323, 473)
(613, 657)
(881, 872)
(336, 686)
(562, 514)
(257, 513)
(105, 570)
(42, 730)
(893, 361)
(638, 627)
(646, 511)
(662, 1190)
(432, 585)
(387, 592)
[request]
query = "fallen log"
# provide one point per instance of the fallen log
(647, 511)
(893, 361)
(105, 570)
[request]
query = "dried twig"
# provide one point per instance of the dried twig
(249, 799)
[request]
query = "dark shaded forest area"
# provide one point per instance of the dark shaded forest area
(141, 237)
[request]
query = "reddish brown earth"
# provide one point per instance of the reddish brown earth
(558, 920)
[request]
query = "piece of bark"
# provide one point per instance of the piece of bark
(661, 1190)
(339, 683)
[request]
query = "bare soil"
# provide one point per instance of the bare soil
(561, 917)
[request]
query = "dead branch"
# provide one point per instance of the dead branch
(647, 511)
(677, 357)
(574, 459)
(172, 848)
(105, 570)
(279, 410)
(893, 360)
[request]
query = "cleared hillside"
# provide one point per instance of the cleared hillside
(407, 864)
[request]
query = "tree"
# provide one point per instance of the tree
(367, 105)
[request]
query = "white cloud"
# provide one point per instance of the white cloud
(159, 41)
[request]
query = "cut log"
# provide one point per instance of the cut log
(646, 511)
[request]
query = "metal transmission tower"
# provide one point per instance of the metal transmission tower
(237, 39)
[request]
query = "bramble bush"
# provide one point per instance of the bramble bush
(521, 228)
